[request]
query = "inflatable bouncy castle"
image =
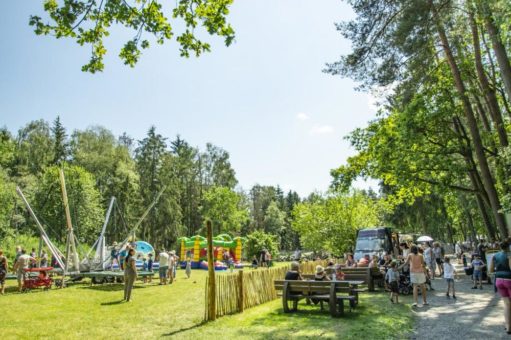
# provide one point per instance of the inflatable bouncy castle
(226, 249)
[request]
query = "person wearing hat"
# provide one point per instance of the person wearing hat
(321, 274)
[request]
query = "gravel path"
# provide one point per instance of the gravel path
(476, 314)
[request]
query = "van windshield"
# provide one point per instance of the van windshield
(369, 244)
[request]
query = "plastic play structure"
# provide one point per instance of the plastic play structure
(195, 248)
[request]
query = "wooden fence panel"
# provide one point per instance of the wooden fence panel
(257, 287)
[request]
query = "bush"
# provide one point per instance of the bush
(259, 240)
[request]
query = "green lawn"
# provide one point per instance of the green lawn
(177, 310)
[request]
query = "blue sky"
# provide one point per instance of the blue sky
(264, 99)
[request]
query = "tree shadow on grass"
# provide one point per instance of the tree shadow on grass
(112, 303)
(185, 329)
(373, 318)
(110, 287)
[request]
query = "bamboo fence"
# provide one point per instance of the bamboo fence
(245, 289)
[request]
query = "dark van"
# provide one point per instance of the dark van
(374, 241)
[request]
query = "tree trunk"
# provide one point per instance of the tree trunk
(471, 226)
(489, 93)
(498, 46)
(490, 230)
(473, 174)
(482, 114)
(472, 124)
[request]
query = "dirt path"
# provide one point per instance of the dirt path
(476, 314)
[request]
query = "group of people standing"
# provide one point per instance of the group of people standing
(22, 261)
(168, 262)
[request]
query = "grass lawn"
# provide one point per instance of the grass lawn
(177, 310)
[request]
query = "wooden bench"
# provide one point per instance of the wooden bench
(334, 293)
(354, 290)
(370, 276)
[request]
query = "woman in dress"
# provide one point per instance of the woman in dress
(130, 274)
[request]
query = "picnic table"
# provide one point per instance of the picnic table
(335, 293)
(354, 284)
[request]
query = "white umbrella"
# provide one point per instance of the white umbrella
(424, 239)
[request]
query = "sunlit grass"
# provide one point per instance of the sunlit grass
(177, 310)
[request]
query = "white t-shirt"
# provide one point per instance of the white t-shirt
(448, 271)
(427, 255)
(24, 261)
(164, 260)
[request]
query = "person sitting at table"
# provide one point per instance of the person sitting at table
(339, 275)
(330, 269)
(294, 272)
(364, 261)
(374, 262)
(321, 274)
(350, 262)
(385, 261)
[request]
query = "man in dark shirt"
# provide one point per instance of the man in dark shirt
(294, 273)
(481, 248)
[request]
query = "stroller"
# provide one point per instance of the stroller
(404, 284)
(41, 280)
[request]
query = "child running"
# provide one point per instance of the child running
(392, 279)
(449, 277)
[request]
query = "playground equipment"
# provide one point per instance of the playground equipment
(224, 247)
(69, 262)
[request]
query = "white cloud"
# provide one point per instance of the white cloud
(302, 116)
(321, 130)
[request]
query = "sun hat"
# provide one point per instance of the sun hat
(319, 269)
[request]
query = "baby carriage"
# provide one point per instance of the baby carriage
(404, 284)
(41, 280)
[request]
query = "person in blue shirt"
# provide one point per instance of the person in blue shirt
(150, 266)
(122, 256)
(478, 266)
(392, 277)
(114, 255)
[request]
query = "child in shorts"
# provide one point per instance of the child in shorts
(391, 277)
(478, 266)
(449, 277)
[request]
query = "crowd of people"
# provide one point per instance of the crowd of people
(417, 263)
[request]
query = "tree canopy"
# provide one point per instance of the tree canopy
(442, 132)
(90, 22)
